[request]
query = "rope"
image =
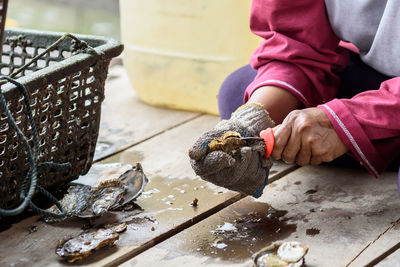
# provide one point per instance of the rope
(31, 178)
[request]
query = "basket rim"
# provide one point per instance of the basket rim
(107, 49)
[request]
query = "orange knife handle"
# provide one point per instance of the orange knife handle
(269, 140)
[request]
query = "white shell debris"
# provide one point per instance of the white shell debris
(227, 227)
(220, 245)
(279, 254)
(292, 251)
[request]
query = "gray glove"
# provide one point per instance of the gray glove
(246, 170)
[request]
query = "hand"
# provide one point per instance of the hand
(245, 170)
(307, 137)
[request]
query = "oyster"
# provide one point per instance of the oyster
(107, 187)
(228, 142)
(106, 197)
(74, 202)
(80, 247)
(279, 254)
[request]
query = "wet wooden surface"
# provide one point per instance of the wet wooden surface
(125, 121)
(159, 139)
(336, 213)
(391, 260)
(344, 216)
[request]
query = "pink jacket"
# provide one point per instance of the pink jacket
(300, 54)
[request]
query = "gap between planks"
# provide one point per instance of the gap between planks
(158, 239)
(134, 251)
(126, 147)
(174, 231)
(384, 254)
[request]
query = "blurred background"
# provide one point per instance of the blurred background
(99, 17)
(177, 52)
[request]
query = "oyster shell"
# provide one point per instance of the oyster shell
(106, 197)
(228, 142)
(116, 227)
(134, 182)
(279, 254)
(82, 246)
(107, 187)
(74, 202)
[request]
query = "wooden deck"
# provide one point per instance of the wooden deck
(345, 217)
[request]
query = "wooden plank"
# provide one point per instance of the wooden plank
(335, 212)
(125, 120)
(381, 247)
(165, 162)
(392, 260)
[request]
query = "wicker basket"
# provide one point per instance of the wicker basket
(66, 91)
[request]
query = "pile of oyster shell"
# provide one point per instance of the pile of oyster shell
(107, 187)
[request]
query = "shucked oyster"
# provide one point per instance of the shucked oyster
(80, 247)
(287, 254)
(228, 142)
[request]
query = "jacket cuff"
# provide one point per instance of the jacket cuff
(353, 136)
(286, 76)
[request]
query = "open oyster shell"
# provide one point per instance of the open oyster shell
(279, 254)
(106, 197)
(82, 246)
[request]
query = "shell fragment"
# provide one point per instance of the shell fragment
(279, 254)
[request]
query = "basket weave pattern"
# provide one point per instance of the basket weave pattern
(66, 109)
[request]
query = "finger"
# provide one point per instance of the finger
(292, 147)
(317, 154)
(282, 134)
(246, 154)
(213, 163)
(242, 164)
(266, 163)
(200, 148)
(198, 151)
(315, 161)
(259, 146)
(304, 155)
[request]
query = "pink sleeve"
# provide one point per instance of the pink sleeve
(299, 52)
(368, 124)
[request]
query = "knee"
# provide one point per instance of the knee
(232, 90)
